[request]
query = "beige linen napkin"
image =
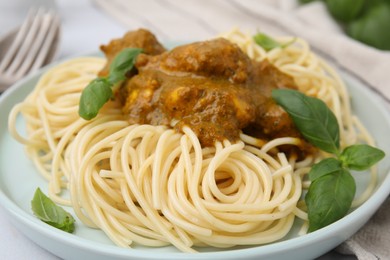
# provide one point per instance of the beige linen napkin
(178, 21)
(372, 242)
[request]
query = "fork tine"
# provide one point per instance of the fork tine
(21, 35)
(40, 58)
(37, 45)
(19, 58)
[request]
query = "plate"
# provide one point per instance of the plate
(19, 180)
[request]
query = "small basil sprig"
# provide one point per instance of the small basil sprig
(332, 187)
(47, 211)
(99, 90)
(269, 43)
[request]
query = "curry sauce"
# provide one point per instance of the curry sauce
(211, 86)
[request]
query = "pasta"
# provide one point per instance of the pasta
(154, 186)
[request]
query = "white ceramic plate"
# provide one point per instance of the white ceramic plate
(19, 180)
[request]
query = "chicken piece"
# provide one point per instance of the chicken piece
(217, 58)
(270, 118)
(134, 39)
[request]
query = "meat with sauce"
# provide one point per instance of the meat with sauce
(213, 87)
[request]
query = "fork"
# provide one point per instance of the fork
(32, 45)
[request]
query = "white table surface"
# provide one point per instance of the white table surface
(84, 28)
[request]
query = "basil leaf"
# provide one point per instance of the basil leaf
(269, 43)
(324, 167)
(361, 156)
(312, 117)
(265, 41)
(122, 63)
(329, 198)
(47, 211)
(93, 97)
(99, 91)
(332, 188)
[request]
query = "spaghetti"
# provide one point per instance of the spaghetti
(154, 186)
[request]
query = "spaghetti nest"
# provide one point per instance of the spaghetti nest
(154, 186)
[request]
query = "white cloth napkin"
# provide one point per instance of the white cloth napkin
(178, 21)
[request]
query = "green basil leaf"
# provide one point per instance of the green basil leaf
(265, 41)
(99, 91)
(122, 63)
(269, 43)
(47, 211)
(315, 121)
(324, 167)
(361, 156)
(93, 97)
(329, 198)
